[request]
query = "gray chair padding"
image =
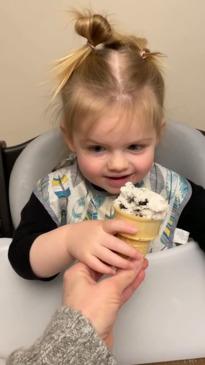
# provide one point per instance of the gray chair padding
(38, 159)
(182, 149)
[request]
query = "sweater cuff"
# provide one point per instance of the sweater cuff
(69, 338)
(75, 332)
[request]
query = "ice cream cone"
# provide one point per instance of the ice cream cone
(147, 230)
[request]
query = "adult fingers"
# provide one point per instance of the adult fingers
(123, 278)
(145, 263)
(129, 291)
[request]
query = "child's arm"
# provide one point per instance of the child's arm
(91, 242)
(49, 255)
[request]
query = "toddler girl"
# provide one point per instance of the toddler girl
(112, 92)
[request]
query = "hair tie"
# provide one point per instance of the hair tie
(144, 53)
(98, 46)
(90, 45)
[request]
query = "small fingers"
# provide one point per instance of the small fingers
(115, 259)
(114, 226)
(99, 266)
(118, 245)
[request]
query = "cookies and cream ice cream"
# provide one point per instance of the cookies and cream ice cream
(141, 202)
(143, 208)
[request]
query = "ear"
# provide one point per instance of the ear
(68, 139)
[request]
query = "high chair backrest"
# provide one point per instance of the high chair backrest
(182, 149)
(39, 158)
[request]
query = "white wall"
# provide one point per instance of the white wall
(34, 33)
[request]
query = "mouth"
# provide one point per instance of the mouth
(118, 177)
(118, 180)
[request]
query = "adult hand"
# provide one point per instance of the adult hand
(100, 301)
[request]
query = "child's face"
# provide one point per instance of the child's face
(115, 151)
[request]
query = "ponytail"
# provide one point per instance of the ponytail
(97, 30)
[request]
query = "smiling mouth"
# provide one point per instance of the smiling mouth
(118, 177)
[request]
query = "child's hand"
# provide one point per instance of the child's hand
(94, 243)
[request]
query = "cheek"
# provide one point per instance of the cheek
(145, 161)
(149, 163)
(87, 165)
(82, 162)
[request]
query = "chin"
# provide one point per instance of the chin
(109, 189)
(113, 191)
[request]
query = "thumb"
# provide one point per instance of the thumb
(123, 278)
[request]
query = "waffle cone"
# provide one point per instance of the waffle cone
(147, 230)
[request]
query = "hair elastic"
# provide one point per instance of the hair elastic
(144, 53)
(98, 46)
(90, 45)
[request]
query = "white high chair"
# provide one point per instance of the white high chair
(165, 318)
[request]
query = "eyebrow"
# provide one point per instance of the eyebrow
(143, 140)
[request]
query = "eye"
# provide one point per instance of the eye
(96, 148)
(136, 147)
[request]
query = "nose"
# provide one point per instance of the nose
(117, 162)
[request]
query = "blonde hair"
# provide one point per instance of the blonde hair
(109, 69)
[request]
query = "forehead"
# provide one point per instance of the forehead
(140, 106)
(124, 116)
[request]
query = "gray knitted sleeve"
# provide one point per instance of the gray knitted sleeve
(69, 339)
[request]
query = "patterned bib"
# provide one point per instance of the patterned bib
(69, 198)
